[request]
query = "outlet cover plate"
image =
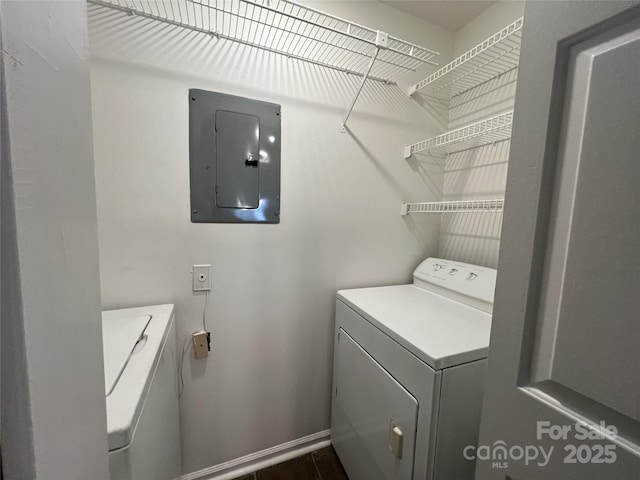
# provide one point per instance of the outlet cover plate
(201, 278)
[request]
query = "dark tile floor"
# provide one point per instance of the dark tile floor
(319, 465)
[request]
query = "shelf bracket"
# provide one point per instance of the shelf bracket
(382, 40)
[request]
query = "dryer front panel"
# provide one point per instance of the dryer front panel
(376, 417)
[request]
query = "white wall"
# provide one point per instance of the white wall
(478, 173)
(53, 405)
(267, 380)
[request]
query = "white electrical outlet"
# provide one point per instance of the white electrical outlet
(201, 278)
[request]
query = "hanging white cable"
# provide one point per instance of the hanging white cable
(186, 344)
(204, 313)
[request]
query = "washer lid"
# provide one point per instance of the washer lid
(119, 337)
(133, 385)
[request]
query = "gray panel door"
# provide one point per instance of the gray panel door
(237, 160)
(374, 403)
(563, 384)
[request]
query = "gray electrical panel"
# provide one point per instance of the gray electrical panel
(234, 157)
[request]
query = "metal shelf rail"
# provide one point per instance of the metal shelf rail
(458, 206)
(490, 130)
(497, 55)
(288, 28)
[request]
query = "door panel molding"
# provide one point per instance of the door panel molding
(540, 356)
(583, 409)
(548, 201)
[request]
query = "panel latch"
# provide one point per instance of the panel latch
(395, 439)
(251, 161)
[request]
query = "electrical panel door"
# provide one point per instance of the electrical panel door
(237, 169)
(234, 159)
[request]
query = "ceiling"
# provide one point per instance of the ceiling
(451, 14)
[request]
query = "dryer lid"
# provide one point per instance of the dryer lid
(119, 338)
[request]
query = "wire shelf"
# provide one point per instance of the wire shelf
(490, 130)
(495, 56)
(291, 29)
(459, 206)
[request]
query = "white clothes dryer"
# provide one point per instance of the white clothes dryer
(409, 367)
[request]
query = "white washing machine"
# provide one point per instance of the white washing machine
(140, 385)
(409, 367)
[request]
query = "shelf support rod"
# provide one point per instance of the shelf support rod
(364, 80)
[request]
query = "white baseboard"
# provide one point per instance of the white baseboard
(263, 459)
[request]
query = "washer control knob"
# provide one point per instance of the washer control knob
(472, 276)
(453, 271)
(438, 266)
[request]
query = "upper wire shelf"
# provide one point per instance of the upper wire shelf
(490, 130)
(458, 206)
(291, 29)
(496, 56)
